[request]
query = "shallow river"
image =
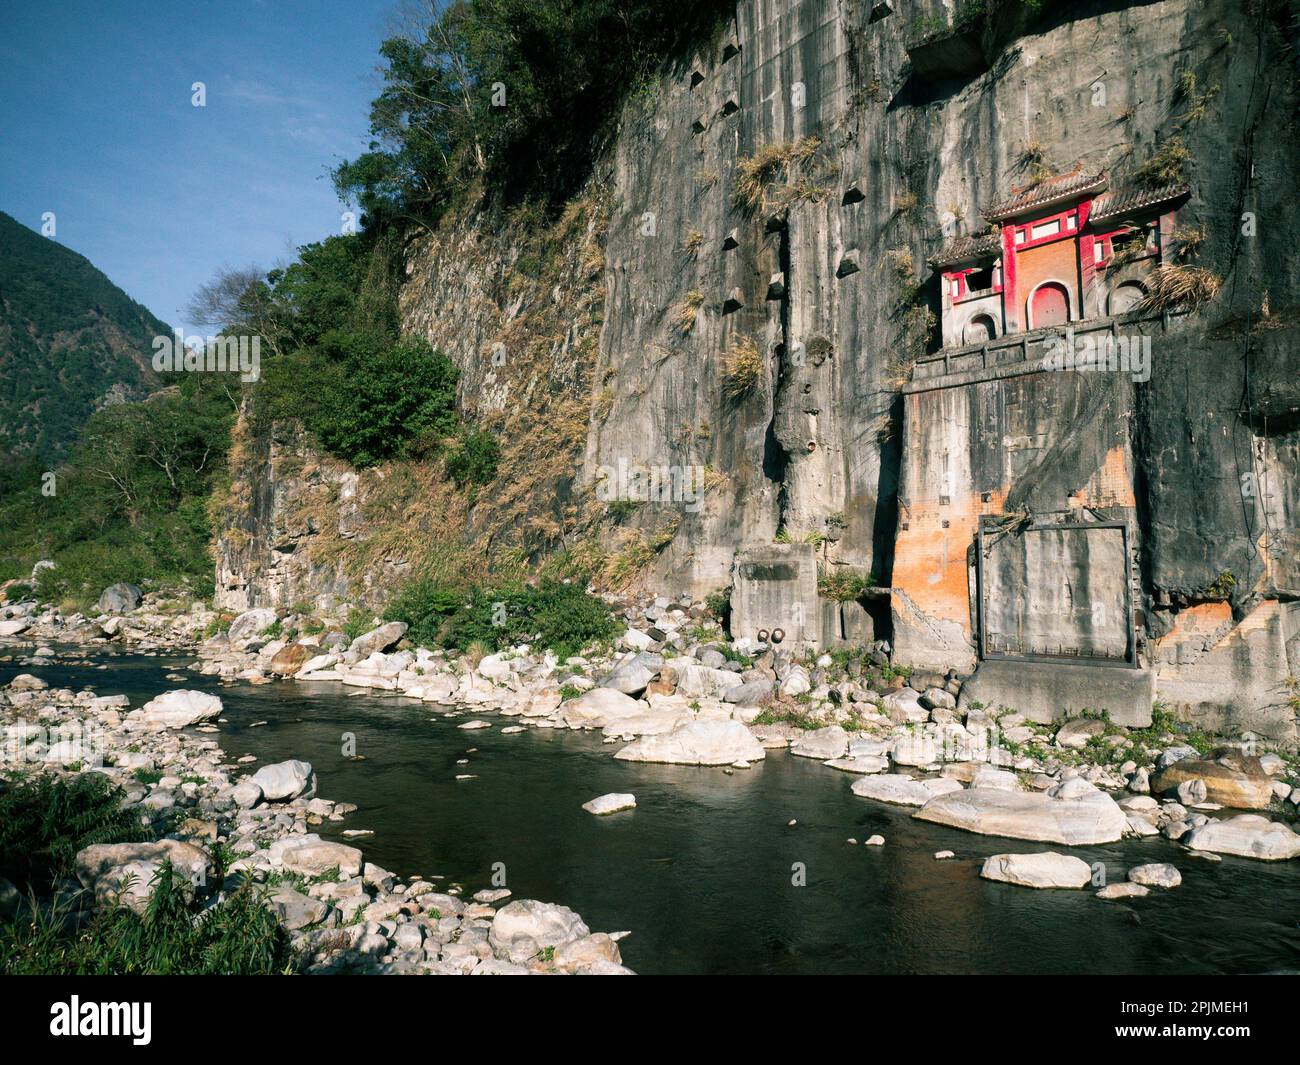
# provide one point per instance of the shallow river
(702, 871)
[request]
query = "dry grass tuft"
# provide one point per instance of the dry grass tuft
(1164, 166)
(1172, 285)
(773, 177)
(742, 366)
(683, 314)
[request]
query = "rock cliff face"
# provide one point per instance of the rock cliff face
(740, 310)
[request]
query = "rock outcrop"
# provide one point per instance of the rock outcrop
(1078, 818)
(1045, 870)
(1246, 836)
(807, 199)
(1230, 779)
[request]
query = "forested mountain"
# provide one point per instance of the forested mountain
(71, 342)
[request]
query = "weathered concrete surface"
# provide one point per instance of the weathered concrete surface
(1233, 676)
(1046, 692)
(775, 587)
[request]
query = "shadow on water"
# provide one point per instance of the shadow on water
(703, 870)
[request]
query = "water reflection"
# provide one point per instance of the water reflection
(701, 871)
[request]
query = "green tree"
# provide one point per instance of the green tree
(474, 460)
(374, 400)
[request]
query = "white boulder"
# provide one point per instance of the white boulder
(125, 872)
(1077, 815)
(903, 790)
(611, 803)
(599, 708)
(180, 709)
(545, 923)
(285, 780)
(717, 742)
(823, 743)
(1246, 836)
(1156, 874)
(1044, 870)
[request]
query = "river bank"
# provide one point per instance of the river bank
(674, 695)
(702, 871)
(219, 830)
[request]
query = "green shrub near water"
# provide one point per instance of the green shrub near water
(240, 936)
(44, 822)
(560, 617)
(426, 606)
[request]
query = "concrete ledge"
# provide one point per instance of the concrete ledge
(1047, 692)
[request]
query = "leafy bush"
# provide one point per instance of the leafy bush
(719, 603)
(239, 936)
(566, 618)
(560, 617)
(474, 461)
(359, 622)
(425, 606)
(372, 398)
(44, 821)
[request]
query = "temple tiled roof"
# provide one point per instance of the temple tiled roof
(1048, 192)
(1122, 202)
(964, 249)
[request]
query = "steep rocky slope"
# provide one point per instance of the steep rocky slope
(741, 300)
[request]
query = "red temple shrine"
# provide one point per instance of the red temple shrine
(1065, 250)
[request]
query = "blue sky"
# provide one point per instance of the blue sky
(97, 125)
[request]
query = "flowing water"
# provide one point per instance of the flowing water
(703, 872)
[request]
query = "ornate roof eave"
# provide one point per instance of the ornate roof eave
(1135, 201)
(967, 249)
(1048, 193)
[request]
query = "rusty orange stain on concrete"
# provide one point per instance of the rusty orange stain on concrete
(1110, 486)
(930, 561)
(1196, 622)
(1261, 617)
(1202, 621)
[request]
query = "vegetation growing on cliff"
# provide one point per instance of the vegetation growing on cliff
(520, 95)
(742, 366)
(778, 176)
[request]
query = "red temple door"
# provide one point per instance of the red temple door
(1049, 305)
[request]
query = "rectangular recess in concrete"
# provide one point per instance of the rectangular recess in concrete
(1056, 592)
